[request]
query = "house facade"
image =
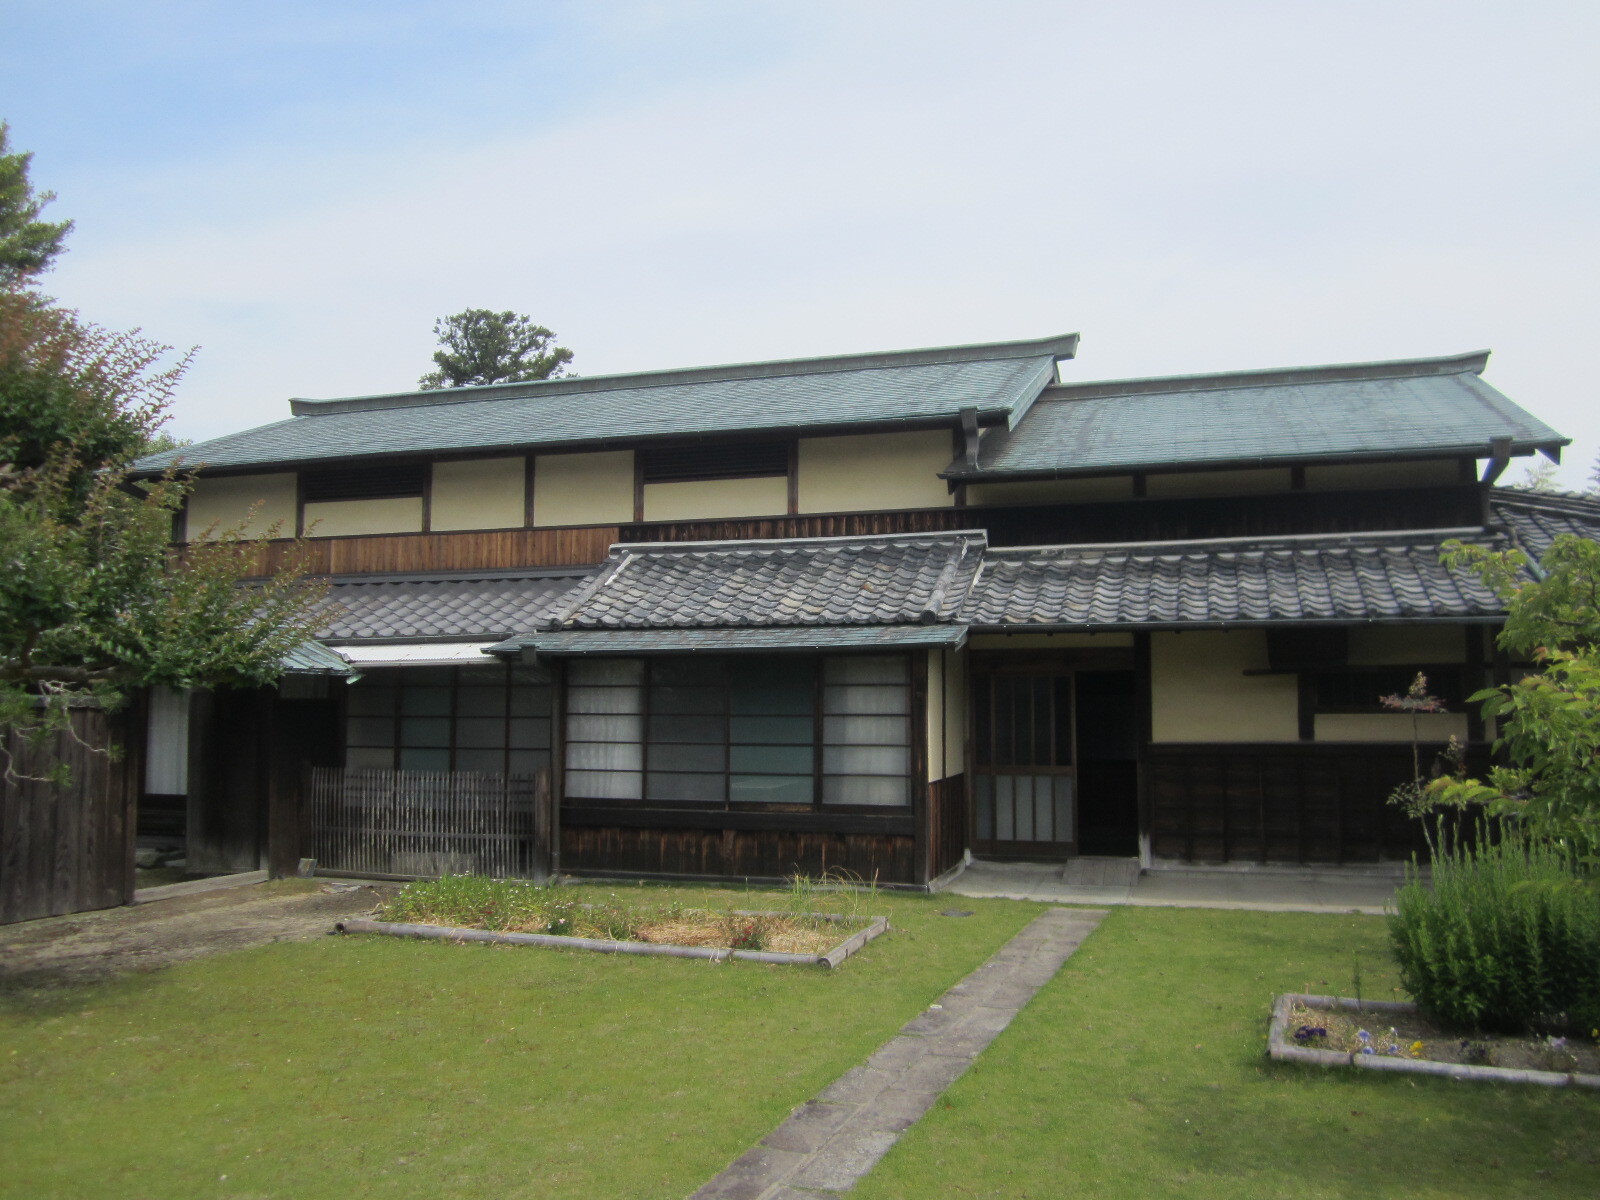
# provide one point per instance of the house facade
(873, 612)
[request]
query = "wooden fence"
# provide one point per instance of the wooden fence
(67, 848)
(418, 824)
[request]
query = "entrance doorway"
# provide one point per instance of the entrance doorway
(1055, 762)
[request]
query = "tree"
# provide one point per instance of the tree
(1548, 721)
(92, 600)
(1539, 477)
(478, 346)
(27, 244)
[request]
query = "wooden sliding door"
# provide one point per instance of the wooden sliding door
(1024, 755)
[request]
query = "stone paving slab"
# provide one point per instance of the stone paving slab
(832, 1140)
(1312, 890)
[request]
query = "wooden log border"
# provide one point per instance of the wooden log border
(875, 927)
(1281, 1048)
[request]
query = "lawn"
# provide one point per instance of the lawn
(380, 1067)
(1139, 1072)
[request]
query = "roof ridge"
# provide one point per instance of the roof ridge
(840, 541)
(1370, 537)
(1583, 502)
(1058, 346)
(1400, 368)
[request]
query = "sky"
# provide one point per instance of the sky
(301, 189)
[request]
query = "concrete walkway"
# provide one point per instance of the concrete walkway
(831, 1141)
(1342, 890)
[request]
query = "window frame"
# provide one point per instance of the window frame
(649, 711)
(461, 680)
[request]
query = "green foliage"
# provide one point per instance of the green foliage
(1506, 938)
(1548, 721)
(27, 244)
(93, 600)
(478, 346)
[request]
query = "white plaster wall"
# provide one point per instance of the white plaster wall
(763, 496)
(478, 493)
(227, 501)
(343, 518)
(583, 489)
(1200, 694)
(869, 471)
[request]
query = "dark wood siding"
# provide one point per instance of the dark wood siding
(734, 853)
(947, 823)
(1111, 521)
(69, 848)
(1283, 803)
(1118, 521)
(456, 551)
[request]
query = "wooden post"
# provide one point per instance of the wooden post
(544, 827)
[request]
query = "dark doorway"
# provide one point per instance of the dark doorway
(1024, 778)
(1108, 763)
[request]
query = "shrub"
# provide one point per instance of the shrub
(1507, 938)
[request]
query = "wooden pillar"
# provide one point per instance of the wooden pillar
(920, 806)
(1143, 702)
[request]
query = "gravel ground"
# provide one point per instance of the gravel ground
(87, 947)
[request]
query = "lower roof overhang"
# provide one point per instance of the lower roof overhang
(1225, 626)
(577, 642)
(313, 658)
(432, 653)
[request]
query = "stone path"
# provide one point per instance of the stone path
(832, 1140)
(1330, 890)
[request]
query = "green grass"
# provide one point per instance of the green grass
(381, 1067)
(1139, 1072)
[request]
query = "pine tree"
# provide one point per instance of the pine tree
(27, 245)
(478, 346)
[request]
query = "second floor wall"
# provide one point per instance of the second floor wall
(848, 473)
(716, 490)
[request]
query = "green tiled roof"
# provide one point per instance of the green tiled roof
(313, 658)
(1418, 406)
(999, 380)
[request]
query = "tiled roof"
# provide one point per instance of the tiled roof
(313, 658)
(1421, 406)
(900, 580)
(482, 606)
(1357, 577)
(1535, 519)
(1000, 380)
(668, 641)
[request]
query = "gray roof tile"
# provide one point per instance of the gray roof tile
(904, 386)
(1358, 577)
(1535, 519)
(482, 606)
(1425, 406)
(910, 579)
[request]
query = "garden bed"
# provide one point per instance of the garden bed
(1388, 1035)
(695, 938)
(471, 908)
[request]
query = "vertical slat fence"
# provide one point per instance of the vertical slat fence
(423, 824)
(68, 847)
